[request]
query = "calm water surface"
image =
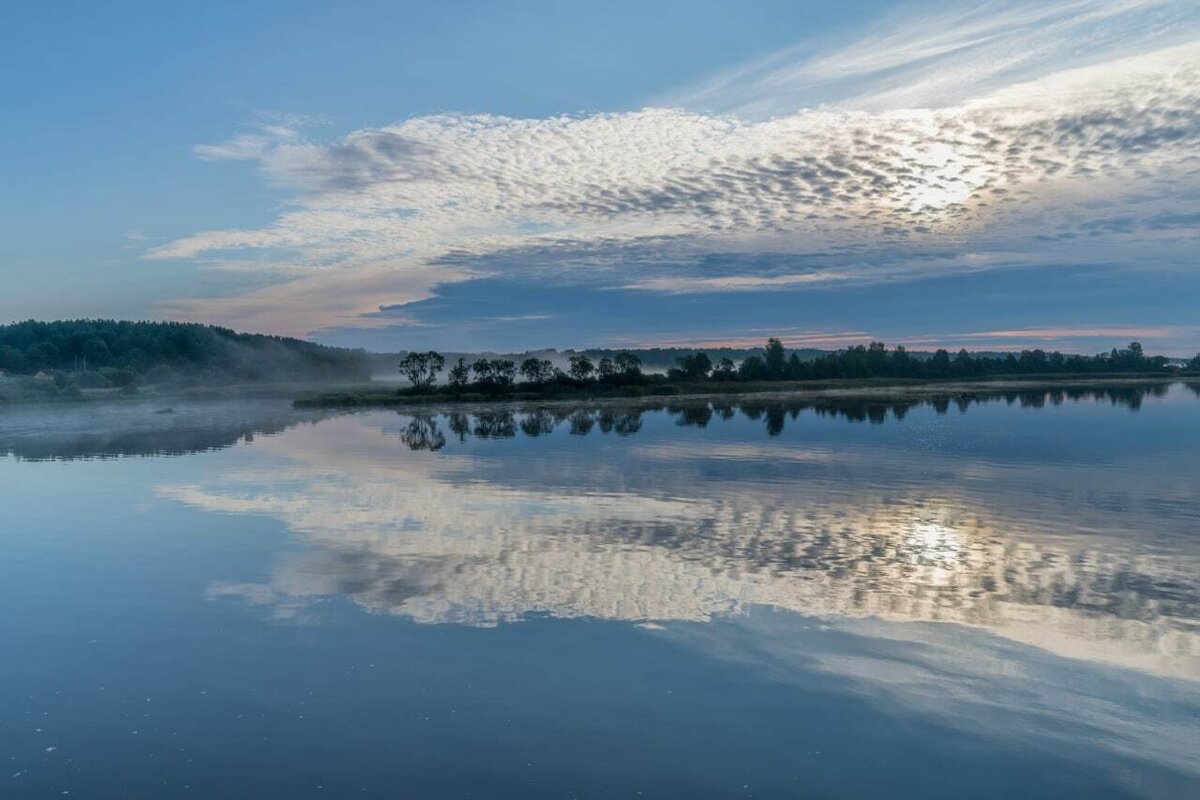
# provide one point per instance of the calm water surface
(970, 597)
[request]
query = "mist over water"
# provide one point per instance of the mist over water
(970, 595)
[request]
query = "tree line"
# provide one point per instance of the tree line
(877, 361)
(496, 375)
(774, 363)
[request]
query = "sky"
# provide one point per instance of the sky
(489, 175)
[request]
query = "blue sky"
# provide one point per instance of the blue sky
(489, 175)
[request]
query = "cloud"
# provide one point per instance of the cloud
(914, 58)
(1075, 338)
(268, 131)
(734, 283)
(290, 308)
(1081, 338)
(1143, 332)
(790, 338)
(1018, 176)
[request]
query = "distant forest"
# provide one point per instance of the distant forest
(100, 353)
(73, 355)
(771, 364)
(653, 359)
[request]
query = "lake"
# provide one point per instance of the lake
(973, 596)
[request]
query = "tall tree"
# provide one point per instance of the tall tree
(460, 374)
(494, 373)
(581, 367)
(422, 369)
(725, 370)
(628, 363)
(775, 359)
(536, 370)
(695, 366)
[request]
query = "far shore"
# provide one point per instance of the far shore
(383, 395)
(879, 389)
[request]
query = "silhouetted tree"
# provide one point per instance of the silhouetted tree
(494, 373)
(692, 367)
(581, 367)
(939, 365)
(962, 366)
(752, 369)
(725, 370)
(460, 374)
(775, 359)
(536, 370)
(878, 361)
(628, 365)
(422, 369)
(796, 369)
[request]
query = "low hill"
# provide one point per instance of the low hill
(101, 352)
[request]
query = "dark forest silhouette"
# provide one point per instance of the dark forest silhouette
(771, 368)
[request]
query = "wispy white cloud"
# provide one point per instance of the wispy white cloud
(1083, 332)
(917, 58)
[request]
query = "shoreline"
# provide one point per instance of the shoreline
(351, 397)
(868, 389)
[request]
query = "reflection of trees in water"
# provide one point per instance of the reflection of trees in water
(774, 413)
(459, 425)
(623, 423)
(494, 425)
(537, 423)
(582, 422)
(110, 431)
(423, 433)
(697, 415)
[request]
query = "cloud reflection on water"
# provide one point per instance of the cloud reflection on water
(1083, 559)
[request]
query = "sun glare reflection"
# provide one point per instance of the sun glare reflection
(934, 544)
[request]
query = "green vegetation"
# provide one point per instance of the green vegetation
(772, 369)
(75, 358)
(876, 361)
(66, 358)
